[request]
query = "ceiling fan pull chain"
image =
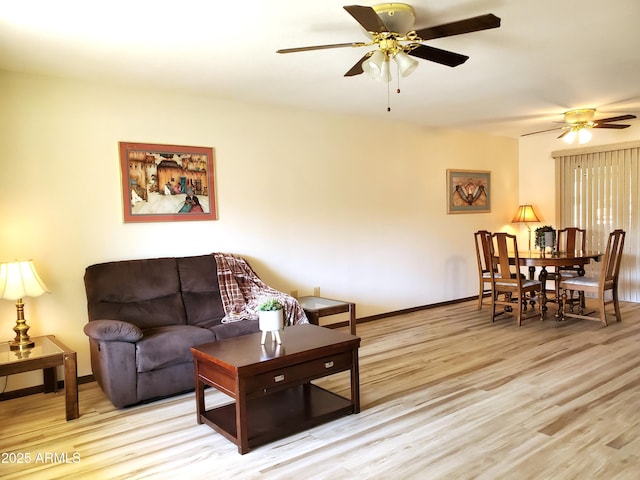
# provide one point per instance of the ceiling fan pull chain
(388, 96)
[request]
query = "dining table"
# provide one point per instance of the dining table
(543, 260)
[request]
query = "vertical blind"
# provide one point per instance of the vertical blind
(598, 189)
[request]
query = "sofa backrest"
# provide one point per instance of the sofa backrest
(144, 292)
(201, 290)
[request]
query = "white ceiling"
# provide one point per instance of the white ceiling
(547, 57)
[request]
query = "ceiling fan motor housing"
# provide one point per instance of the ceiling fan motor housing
(398, 17)
(579, 115)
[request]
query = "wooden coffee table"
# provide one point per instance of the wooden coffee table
(271, 384)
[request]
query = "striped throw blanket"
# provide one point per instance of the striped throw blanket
(242, 292)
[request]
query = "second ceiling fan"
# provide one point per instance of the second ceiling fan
(579, 121)
(390, 26)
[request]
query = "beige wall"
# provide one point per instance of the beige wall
(353, 206)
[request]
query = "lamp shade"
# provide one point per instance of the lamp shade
(406, 64)
(525, 214)
(20, 279)
(373, 65)
(584, 135)
(377, 66)
(570, 137)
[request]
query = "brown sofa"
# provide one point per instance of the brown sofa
(143, 317)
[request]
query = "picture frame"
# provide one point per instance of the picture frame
(468, 191)
(167, 183)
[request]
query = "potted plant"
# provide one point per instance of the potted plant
(271, 319)
(545, 237)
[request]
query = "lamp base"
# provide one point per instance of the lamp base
(22, 340)
(21, 345)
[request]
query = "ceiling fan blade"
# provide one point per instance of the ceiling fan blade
(542, 131)
(474, 24)
(610, 125)
(615, 119)
(320, 47)
(357, 68)
(367, 17)
(437, 55)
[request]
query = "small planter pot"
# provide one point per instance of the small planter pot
(271, 321)
(549, 239)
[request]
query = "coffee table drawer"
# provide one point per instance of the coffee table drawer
(302, 372)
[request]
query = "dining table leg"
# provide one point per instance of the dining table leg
(543, 287)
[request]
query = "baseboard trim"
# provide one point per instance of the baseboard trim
(404, 311)
(23, 392)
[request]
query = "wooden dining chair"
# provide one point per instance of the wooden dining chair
(607, 281)
(518, 291)
(570, 239)
(483, 255)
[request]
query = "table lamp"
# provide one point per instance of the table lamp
(18, 280)
(525, 214)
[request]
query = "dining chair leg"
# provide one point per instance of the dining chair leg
(603, 313)
(493, 307)
(519, 310)
(616, 305)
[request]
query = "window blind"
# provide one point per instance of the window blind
(598, 189)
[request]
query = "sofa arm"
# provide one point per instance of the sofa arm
(113, 331)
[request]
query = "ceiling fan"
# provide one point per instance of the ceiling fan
(579, 121)
(390, 27)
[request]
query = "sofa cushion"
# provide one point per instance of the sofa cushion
(169, 345)
(143, 292)
(200, 290)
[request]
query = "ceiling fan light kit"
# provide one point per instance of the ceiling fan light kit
(581, 133)
(389, 27)
(579, 122)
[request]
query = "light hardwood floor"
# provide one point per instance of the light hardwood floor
(446, 394)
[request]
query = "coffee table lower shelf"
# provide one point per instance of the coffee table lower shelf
(279, 414)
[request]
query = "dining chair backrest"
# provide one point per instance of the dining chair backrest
(483, 250)
(483, 254)
(571, 239)
(612, 259)
(504, 249)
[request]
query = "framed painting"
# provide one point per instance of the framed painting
(167, 183)
(468, 191)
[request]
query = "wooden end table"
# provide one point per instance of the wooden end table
(47, 354)
(316, 307)
(271, 384)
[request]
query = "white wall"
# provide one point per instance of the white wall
(353, 206)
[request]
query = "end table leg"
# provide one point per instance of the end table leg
(355, 382)
(352, 318)
(71, 385)
(50, 379)
(313, 317)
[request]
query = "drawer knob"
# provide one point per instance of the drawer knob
(278, 378)
(328, 364)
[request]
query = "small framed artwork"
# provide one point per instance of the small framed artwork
(468, 191)
(167, 183)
